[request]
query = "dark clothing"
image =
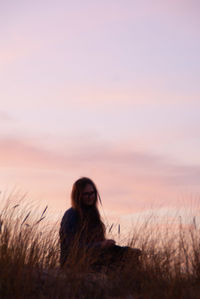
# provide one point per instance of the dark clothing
(68, 229)
(74, 239)
(71, 233)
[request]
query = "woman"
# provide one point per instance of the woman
(82, 232)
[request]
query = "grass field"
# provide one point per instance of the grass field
(29, 261)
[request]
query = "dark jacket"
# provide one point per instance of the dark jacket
(70, 234)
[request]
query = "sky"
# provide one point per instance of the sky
(104, 89)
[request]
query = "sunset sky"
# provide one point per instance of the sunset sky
(104, 89)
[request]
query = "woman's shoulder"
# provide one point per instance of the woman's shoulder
(70, 212)
(70, 216)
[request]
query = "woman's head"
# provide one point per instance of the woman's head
(84, 199)
(84, 193)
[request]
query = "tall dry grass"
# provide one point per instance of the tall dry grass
(29, 261)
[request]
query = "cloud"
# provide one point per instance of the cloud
(137, 165)
(17, 152)
(128, 180)
(144, 91)
(5, 117)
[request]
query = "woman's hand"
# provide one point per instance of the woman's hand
(108, 243)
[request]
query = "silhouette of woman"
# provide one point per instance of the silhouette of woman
(82, 230)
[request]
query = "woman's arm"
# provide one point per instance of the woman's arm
(68, 229)
(107, 243)
(103, 244)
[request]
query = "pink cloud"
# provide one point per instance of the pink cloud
(145, 92)
(127, 179)
(5, 117)
(17, 48)
(26, 154)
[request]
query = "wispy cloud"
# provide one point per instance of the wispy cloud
(125, 72)
(127, 179)
(140, 165)
(5, 117)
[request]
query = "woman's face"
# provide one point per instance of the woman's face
(88, 195)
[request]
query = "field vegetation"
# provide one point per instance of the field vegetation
(29, 261)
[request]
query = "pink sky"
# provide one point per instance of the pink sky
(108, 90)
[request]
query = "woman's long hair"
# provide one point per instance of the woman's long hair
(90, 222)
